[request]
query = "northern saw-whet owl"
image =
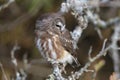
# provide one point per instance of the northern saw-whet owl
(54, 41)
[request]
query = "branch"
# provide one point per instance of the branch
(77, 12)
(114, 52)
(20, 74)
(3, 71)
(15, 48)
(77, 74)
(6, 4)
(82, 11)
(57, 75)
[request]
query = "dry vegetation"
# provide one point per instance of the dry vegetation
(20, 60)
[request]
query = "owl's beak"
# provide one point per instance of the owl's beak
(62, 27)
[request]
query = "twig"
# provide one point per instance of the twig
(89, 53)
(77, 74)
(15, 47)
(6, 4)
(20, 74)
(114, 52)
(3, 71)
(82, 11)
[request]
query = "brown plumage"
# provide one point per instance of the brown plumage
(53, 40)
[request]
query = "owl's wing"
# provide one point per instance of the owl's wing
(67, 42)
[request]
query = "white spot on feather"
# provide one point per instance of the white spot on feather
(50, 44)
(40, 47)
(53, 54)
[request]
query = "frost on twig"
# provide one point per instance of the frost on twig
(15, 48)
(76, 35)
(83, 12)
(20, 73)
(6, 4)
(77, 8)
(114, 52)
(77, 74)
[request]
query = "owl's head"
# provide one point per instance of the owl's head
(51, 20)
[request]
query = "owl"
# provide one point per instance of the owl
(54, 41)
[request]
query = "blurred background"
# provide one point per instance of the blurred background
(17, 23)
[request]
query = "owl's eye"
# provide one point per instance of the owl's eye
(59, 24)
